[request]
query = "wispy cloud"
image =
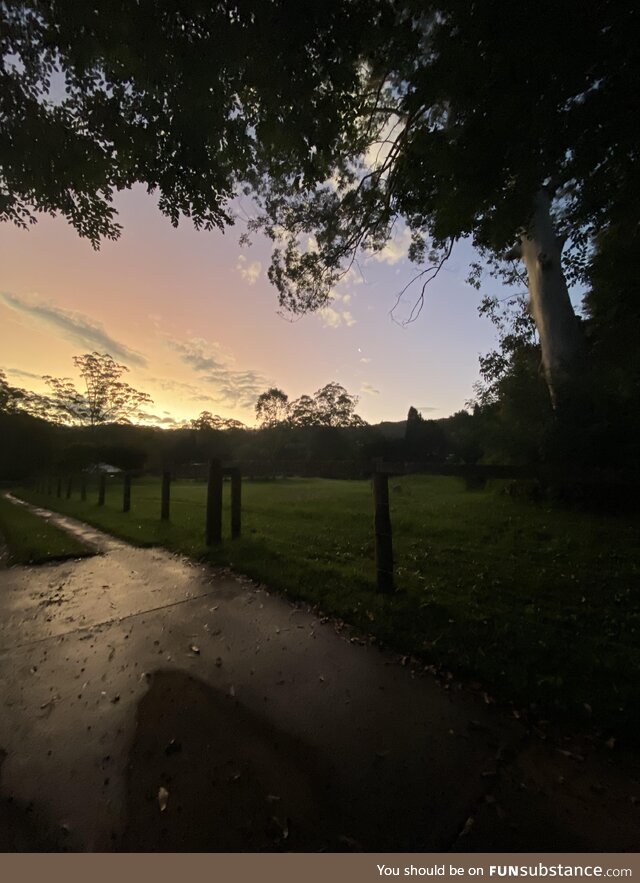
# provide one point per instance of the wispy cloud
(369, 390)
(26, 375)
(333, 316)
(216, 368)
(156, 420)
(187, 391)
(250, 271)
(71, 325)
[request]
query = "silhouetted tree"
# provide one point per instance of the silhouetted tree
(106, 397)
(208, 421)
(272, 407)
(10, 396)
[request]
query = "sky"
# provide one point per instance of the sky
(195, 319)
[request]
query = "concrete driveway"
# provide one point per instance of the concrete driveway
(151, 703)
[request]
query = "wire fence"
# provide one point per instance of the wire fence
(100, 484)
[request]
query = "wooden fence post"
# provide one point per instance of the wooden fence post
(69, 487)
(49, 486)
(102, 489)
(165, 503)
(236, 502)
(126, 493)
(382, 525)
(213, 529)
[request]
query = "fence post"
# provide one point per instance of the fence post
(165, 503)
(236, 502)
(126, 493)
(382, 526)
(83, 488)
(69, 487)
(102, 489)
(49, 486)
(213, 529)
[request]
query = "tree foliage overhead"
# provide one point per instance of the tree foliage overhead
(470, 107)
(191, 99)
(340, 119)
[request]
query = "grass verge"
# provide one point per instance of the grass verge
(29, 539)
(539, 606)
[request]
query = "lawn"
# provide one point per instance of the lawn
(539, 606)
(31, 540)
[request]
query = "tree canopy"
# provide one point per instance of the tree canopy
(106, 398)
(509, 124)
(330, 406)
(208, 422)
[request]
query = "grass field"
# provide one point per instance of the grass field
(541, 607)
(30, 540)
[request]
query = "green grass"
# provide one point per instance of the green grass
(31, 540)
(540, 606)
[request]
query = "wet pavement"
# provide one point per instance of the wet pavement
(151, 703)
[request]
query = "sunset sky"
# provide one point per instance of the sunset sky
(195, 319)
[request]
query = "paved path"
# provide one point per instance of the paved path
(150, 703)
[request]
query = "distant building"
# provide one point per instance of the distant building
(105, 468)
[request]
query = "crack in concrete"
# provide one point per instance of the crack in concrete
(98, 625)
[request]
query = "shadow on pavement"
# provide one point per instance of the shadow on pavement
(232, 783)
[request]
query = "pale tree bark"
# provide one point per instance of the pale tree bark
(561, 339)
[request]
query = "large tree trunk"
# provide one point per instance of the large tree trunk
(561, 339)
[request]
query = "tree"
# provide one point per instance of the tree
(189, 99)
(512, 406)
(334, 406)
(10, 396)
(272, 407)
(497, 121)
(207, 421)
(106, 397)
(331, 405)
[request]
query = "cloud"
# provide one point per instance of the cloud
(353, 276)
(369, 390)
(231, 386)
(395, 250)
(378, 152)
(27, 375)
(161, 421)
(250, 272)
(73, 326)
(332, 318)
(185, 389)
(365, 361)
